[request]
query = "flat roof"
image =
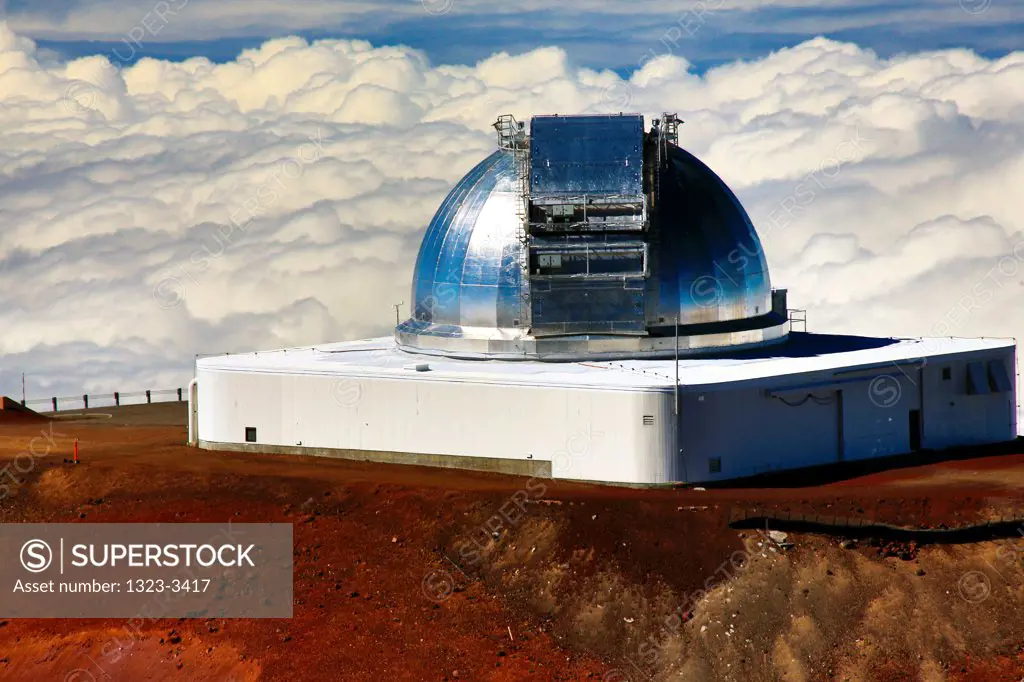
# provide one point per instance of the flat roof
(802, 353)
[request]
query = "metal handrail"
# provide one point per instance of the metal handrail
(116, 396)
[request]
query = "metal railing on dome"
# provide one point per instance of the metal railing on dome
(115, 399)
(797, 316)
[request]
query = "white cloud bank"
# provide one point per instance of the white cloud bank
(888, 192)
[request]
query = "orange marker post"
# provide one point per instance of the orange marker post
(76, 451)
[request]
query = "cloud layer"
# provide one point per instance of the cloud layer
(167, 209)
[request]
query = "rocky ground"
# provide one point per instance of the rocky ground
(409, 573)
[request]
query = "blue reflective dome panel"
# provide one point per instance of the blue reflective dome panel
(711, 267)
(586, 154)
(467, 273)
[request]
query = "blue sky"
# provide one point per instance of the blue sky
(594, 34)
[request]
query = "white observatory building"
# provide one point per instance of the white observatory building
(592, 302)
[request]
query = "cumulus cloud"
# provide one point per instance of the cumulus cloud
(162, 210)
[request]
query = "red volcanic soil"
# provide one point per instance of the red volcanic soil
(412, 573)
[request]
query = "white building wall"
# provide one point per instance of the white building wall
(953, 417)
(601, 434)
(750, 433)
(876, 410)
(586, 434)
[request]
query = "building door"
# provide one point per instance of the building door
(915, 430)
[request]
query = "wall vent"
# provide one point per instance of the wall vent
(250, 434)
(715, 465)
(648, 420)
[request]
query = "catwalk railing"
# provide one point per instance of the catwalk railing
(117, 398)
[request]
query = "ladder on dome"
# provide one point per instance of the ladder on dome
(512, 138)
(670, 127)
(666, 130)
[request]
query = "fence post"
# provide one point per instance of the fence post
(117, 398)
(179, 395)
(54, 403)
(85, 399)
(149, 398)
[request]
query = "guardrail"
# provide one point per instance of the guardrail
(108, 399)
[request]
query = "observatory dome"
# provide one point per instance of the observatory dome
(590, 238)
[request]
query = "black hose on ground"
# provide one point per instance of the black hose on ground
(855, 528)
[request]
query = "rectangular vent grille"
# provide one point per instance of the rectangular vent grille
(648, 420)
(250, 434)
(715, 465)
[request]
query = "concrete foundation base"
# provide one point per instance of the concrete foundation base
(502, 466)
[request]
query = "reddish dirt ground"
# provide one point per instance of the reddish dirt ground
(388, 582)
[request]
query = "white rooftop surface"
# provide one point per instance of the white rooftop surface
(801, 354)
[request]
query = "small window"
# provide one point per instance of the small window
(648, 420)
(947, 373)
(250, 434)
(549, 260)
(715, 465)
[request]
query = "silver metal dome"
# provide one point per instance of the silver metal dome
(590, 239)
